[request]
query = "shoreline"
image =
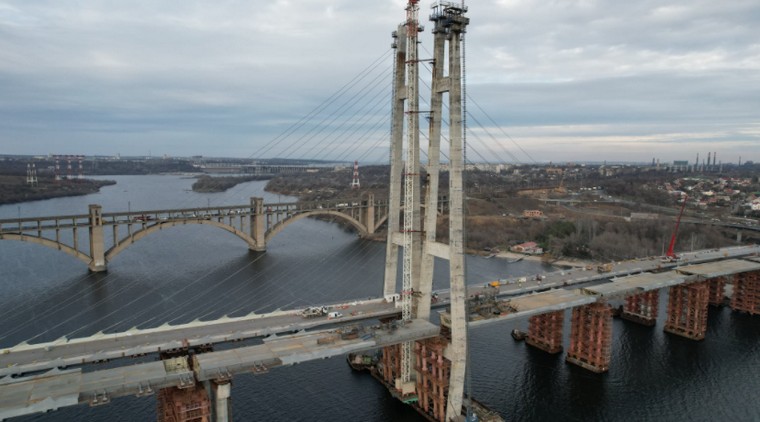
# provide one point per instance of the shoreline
(539, 258)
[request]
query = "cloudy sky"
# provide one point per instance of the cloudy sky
(548, 80)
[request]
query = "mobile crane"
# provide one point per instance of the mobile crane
(671, 256)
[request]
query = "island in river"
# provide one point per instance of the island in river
(206, 183)
(14, 189)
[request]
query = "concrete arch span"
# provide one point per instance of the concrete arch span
(384, 218)
(361, 228)
(50, 244)
(123, 244)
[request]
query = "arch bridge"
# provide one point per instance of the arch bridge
(96, 238)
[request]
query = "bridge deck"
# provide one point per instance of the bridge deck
(64, 352)
(54, 389)
(635, 284)
(304, 347)
(720, 268)
(538, 303)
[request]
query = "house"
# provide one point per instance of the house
(529, 248)
(532, 214)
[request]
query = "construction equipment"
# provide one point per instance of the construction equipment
(604, 268)
(671, 256)
(561, 188)
(314, 312)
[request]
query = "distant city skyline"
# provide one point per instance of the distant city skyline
(547, 81)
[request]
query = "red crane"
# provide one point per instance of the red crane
(670, 255)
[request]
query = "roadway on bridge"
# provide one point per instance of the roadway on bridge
(54, 389)
(25, 358)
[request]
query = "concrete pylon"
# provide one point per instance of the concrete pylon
(455, 24)
(397, 139)
(97, 243)
(258, 226)
(438, 87)
(450, 24)
(222, 401)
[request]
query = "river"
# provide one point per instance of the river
(196, 271)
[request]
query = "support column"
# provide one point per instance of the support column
(222, 399)
(438, 87)
(746, 295)
(642, 308)
(397, 139)
(716, 290)
(456, 22)
(368, 213)
(97, 242)
(258, 225)
(545, 331)
(591, 337)
(433, 371)
(391, 363)
(183, 405)
(687, 310)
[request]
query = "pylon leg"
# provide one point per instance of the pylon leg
(545, 331)
(687, 310)
(746, 295)
(591, 337)
(642, 308)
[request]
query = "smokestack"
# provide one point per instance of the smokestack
(715, 158)
(708, 161)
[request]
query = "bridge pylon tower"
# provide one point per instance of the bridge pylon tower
(449, 27)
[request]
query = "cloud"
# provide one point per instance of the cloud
(225, 78)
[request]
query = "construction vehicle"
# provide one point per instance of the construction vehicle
(670, 255)
(604, 268)
(314, 311)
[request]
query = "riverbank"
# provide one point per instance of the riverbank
(14, 189)
(207, 184)
(538, 258)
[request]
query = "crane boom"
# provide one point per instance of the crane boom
(670, 254)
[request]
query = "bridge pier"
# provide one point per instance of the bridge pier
(687, 310)
(367, 216)
(433, 372)
(545, 331)
(258, 225)
(591, 337)
(222, 395)
(716, 290)
(97, 243)
(746, 294)
(183, 405)
(642, 308)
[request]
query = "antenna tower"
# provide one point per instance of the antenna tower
(31, 174)
(355, 180)
(57, 169)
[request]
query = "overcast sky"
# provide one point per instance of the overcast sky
(548, 80)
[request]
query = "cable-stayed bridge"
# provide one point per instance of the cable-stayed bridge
(423, 364)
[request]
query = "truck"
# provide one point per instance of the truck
(314, 312)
